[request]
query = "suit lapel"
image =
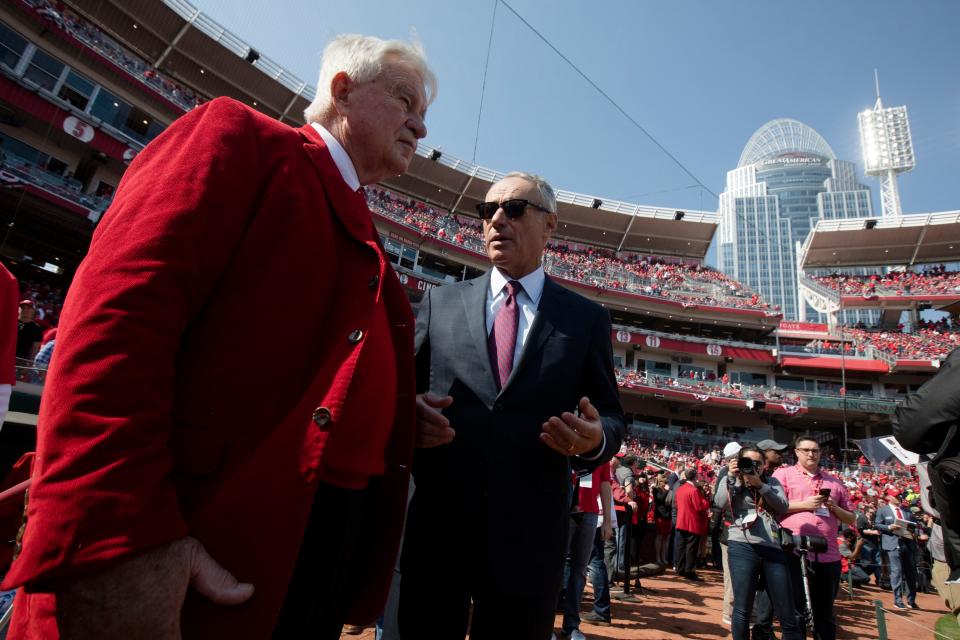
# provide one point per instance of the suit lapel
(474, 298)
(349, 206)
(551, 305)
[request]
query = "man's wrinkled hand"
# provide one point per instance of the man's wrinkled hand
(433, 429)
(142, 597)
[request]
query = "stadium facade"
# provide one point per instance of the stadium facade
(788, 177)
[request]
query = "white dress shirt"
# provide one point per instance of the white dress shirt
(340, 157)
(528, 299)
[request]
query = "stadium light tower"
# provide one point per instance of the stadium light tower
(887, 149)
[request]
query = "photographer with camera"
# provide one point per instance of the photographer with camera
(819, 502)
(753, 543)
(896, 527)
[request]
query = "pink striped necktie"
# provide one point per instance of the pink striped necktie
(503, 338)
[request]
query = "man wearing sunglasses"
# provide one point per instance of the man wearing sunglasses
(520, 388)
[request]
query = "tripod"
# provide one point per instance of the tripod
(808, 610)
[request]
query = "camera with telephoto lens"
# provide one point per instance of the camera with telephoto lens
(790, 541)
(747, 465)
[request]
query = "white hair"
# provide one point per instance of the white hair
(362, 58)
(547, 193)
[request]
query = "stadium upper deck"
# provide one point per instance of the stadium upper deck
(905, 243)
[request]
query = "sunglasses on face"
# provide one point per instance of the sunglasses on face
(512, 208)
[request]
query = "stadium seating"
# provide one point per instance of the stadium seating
(629, 378)
(932, 281)
(687, 283)
(925, 344)
(96, 39)
(20, 169)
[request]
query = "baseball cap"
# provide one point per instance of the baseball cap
(732, 449)
(771, 445)
(28, 301)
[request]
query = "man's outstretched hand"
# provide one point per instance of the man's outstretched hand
(142, 597)
(571, 435)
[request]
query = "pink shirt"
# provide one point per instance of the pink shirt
(800, 485)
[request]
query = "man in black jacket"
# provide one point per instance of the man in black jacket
(929, 423)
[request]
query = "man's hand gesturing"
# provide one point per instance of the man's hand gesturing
(571, 435)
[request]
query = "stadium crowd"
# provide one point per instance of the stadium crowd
(93, 37)
(688, 283)
(869, 488)
(934, 280)
(708, 385)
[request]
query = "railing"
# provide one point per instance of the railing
(736, 390)
(109, 48)
(56, 184)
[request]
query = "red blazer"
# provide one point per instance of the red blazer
(208, 322)
(692, 508)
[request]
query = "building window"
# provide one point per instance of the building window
(12, 46)
(76, 90)
(44, 70)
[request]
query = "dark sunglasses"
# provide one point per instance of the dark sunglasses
(513, 208)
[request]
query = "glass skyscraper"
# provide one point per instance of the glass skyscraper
(788, 177)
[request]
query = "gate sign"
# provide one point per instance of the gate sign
(623, 336)
(78, 129)
(714, 350)
(653, 341)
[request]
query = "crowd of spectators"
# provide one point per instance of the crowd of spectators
(87, 33)
(925, 344)
(685, 282)
(709, 385)
(930, 281)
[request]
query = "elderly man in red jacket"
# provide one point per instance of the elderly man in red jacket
(179, 444)
(692, 509)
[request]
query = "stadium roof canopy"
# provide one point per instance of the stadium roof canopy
(455, 185)
(925, 238)
(182, 42)
(175, 37)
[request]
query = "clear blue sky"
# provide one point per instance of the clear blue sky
(700, 76)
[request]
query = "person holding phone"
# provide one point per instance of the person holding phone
(753, 543)
(815, 513)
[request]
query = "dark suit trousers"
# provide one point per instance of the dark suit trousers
(824, 583)
(443, 571)
(688, 547)
(318, 597)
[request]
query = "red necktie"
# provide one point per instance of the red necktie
(503, 338)
(899, 514)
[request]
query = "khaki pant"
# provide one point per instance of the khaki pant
(727, 584)
(949, 593)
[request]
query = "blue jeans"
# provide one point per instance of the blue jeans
(583, 530)
(600, 578)
(747, 562)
